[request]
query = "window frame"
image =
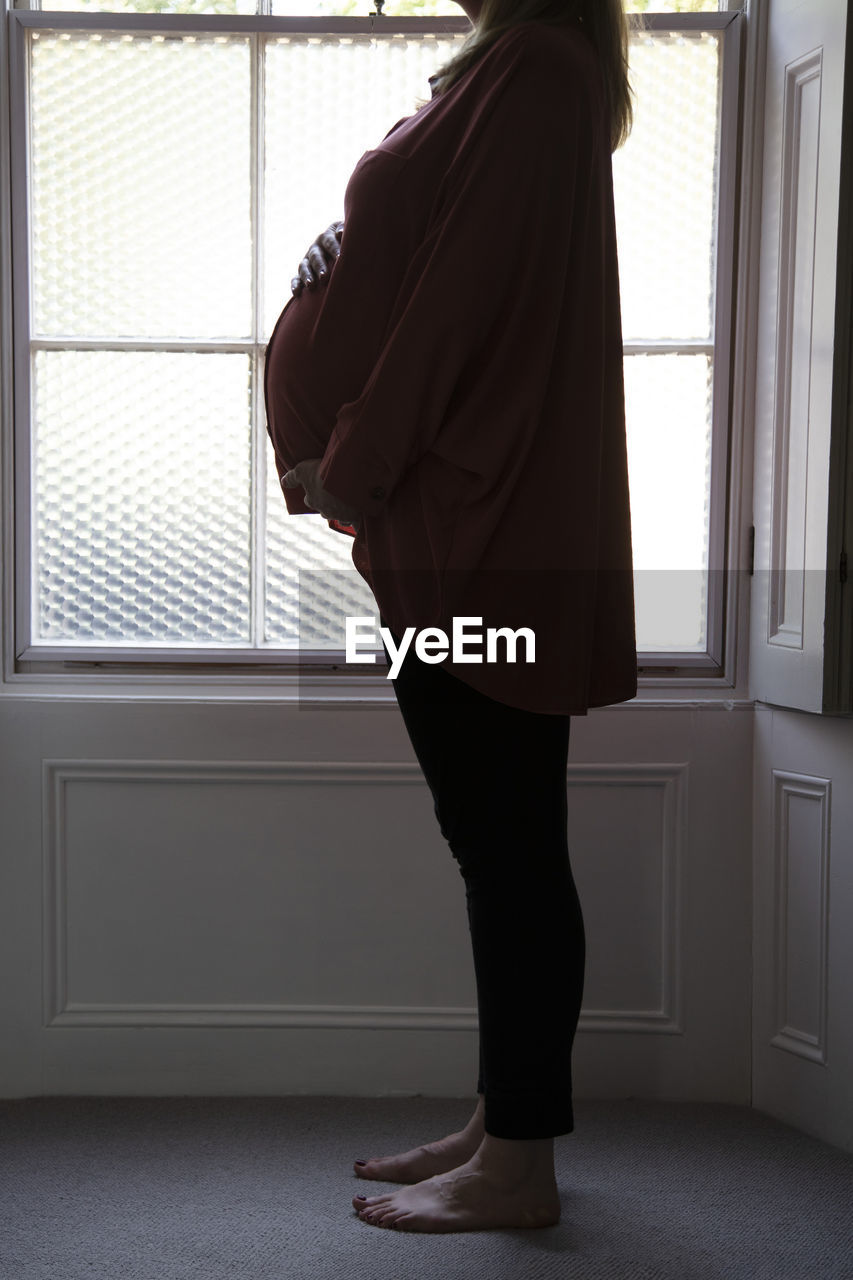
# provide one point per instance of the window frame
(29, 661)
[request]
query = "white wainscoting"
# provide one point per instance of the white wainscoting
(229, 894)
(634, 894)
(801, 817)
(259, 900)
(197, 879)
(803, 957)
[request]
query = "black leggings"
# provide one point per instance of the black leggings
(498, 779)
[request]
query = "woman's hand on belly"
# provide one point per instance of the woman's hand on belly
(305, 474)
(319, 259)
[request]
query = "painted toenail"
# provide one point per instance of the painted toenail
(361, 1197)
(361, 1162)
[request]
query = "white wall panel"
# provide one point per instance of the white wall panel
(631, 891)
(197, 894)
(258, 899)
(803, 951)
(801, 822)
(220, 894)
(794, 355)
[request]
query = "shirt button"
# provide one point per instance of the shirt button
(378, 492)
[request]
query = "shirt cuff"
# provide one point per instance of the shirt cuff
(363, 483)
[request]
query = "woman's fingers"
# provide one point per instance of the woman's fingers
(306, 271)
(319, 259)
(305, 473)
(330, 241)
(311, 269)
(303, 278)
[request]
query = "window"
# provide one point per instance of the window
(168, 171)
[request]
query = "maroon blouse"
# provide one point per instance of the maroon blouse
(460, 374)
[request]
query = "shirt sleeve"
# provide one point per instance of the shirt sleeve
(487, 280)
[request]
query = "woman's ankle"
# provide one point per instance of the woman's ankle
(519, 1157)
(476, 1125)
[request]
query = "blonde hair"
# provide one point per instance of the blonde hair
(604, 23)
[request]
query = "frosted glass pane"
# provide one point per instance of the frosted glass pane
(358, 9)
(141, 195)
(668, 410)
(664, 186)
(310, 583)
(152, 6)
(284, 8)
(142, 483)
(329, 99)
(674, 6)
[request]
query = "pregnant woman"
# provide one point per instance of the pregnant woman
(450, 395)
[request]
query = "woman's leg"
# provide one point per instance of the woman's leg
(497, 776)
(498, 779)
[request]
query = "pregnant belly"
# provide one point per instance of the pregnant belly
(299, 385)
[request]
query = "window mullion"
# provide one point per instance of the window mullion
(258, 444)
(20, 313)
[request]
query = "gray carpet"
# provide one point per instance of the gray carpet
(255, 1188)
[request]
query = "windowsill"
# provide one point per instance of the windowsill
(317, 691)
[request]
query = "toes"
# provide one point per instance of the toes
(379, 1211)
(367, 1202)
(371, 1207)
(372, 1219)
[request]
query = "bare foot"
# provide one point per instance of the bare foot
(482, 1194)
(432, 1158)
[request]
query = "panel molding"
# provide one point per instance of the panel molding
(803, 1043)
(671, 780)
(60, 1012)
(795, 322)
